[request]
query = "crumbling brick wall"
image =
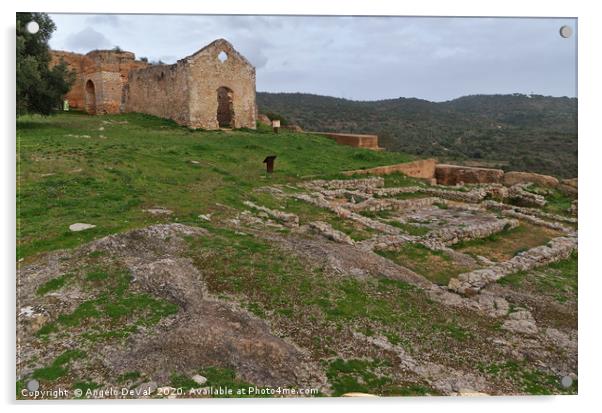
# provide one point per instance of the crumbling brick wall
(107, 69)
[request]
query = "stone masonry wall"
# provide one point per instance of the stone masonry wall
(423, 168)
(207, 73)
(75, 63)
(108, 88)
(186, 92)
(108, 70)
(160, 90)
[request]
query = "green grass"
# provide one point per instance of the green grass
(85, 386)
(52, 285)
(58, 368)
(368, 376)
(411, 229)
(180, 381)
(558, 279)
(275, 284)
(530, 380)
(309, 212)
(217, 378)
(437, 266)
(130, 376)
(506, 244)
(114, 311)
(65, 178)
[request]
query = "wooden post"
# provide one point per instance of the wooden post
(269, 163)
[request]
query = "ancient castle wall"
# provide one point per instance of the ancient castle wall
(103, 94)
(75, 63)
(160, 90)
(107, 69)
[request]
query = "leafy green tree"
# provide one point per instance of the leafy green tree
(40, 89)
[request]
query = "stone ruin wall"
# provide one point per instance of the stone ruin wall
(207, 73)
(159, 90)
(108, 87)
(107, 69)
(75, 63)
(186, 92)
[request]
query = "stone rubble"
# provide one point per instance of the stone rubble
(518, 194)
(573, 208)
(443, 378)
(489, 204)
(538, 221)
(376, 204)
(288, 219)
(329, 232)
(451, 236)
(522, 322)
(358, 184)
(557, 249)
(158, 211)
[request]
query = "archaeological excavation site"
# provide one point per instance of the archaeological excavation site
(382, 285)
(181, 235)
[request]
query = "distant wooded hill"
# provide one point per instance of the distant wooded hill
(514, 132)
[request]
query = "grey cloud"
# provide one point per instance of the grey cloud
(356, 57)
(86, 40)
(105, 19)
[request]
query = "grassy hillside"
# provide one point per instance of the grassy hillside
(243, 298)
(514, 132)
(104, 170)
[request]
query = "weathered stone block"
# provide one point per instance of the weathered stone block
(456, 174)
(514, 177)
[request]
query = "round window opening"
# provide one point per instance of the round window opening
(222, 56)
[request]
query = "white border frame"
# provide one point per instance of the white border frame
(590, 96)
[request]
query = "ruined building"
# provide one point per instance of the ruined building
(213, 88)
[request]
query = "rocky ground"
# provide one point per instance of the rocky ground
(342, 286)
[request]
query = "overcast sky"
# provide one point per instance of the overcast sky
(360, 58)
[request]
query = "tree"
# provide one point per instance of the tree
(40, 89)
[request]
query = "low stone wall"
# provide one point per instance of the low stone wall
(354, 184)
(538, 221)
(557, 249)
(456, 174)
(472, 196)
(528, 211)
(422, 169)
(375, 204)
(386, 242)
(326, 230)
(351, 139)
(289, 220)
(519, 195)
(451, 236)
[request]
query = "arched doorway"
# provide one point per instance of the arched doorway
(225, 107)
(90, 98)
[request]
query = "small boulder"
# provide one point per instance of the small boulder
(199, 379)
(159, 211)
(79, 226)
